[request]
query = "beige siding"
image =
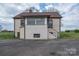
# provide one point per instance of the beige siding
(55, 29)
(52, 36)
(41, 29)
(21, 33)
(32, 29)
(18, 28)
(56, 26)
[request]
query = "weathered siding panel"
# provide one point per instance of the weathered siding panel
(21, 33)
(52, 36)
(55, 29)
(40, 29)
(56, 23)
(17, 26)
(33, 29)
(57, 26)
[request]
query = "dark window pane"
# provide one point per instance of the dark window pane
(30, 21)
(22, 23)
(36, 35)
(50, 23)
(40, 21)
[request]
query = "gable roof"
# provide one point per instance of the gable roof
(45, 14)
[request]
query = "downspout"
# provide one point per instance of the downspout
(59, 27)
(14, 28)
(24, 29)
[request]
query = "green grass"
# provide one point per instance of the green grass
(6, 35)
(63, 35)
(69, 35)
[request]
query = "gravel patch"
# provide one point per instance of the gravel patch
(39, 47)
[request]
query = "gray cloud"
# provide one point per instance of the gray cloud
(70, 12)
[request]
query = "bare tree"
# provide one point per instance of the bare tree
(32, 9)
(51, 10)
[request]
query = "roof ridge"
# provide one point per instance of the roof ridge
(25, 14)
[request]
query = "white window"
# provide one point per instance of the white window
(35, 21)
(22, 23)
(40, 21)
(30, 21)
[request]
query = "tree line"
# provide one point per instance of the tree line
(76, 30)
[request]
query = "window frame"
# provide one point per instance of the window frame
(22, 23)
(37, 21)
(40, 21)
(36, 35)
(30, 21)
(50, 23)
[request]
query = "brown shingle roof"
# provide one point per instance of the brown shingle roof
(47, 14)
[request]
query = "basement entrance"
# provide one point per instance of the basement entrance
(18, 34)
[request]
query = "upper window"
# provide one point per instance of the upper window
(30, 21)
(35, 21)
(22, 23)
(40, 21)
(50, 23)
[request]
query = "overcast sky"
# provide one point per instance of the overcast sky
(69, 12)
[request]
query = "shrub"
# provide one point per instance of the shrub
(4, 30)
(76, 31)
(67, 31)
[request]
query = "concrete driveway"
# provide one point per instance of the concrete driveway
(39, 47)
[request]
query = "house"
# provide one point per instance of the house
(37, 25)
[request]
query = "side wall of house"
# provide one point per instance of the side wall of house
(41, 29)
(56, 26)
(17, 26)
(22, 33)
(18, 29)
(30, 30)
(55, 29)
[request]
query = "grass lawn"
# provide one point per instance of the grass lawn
(69, 35)
(63, 35)
(6, 35)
